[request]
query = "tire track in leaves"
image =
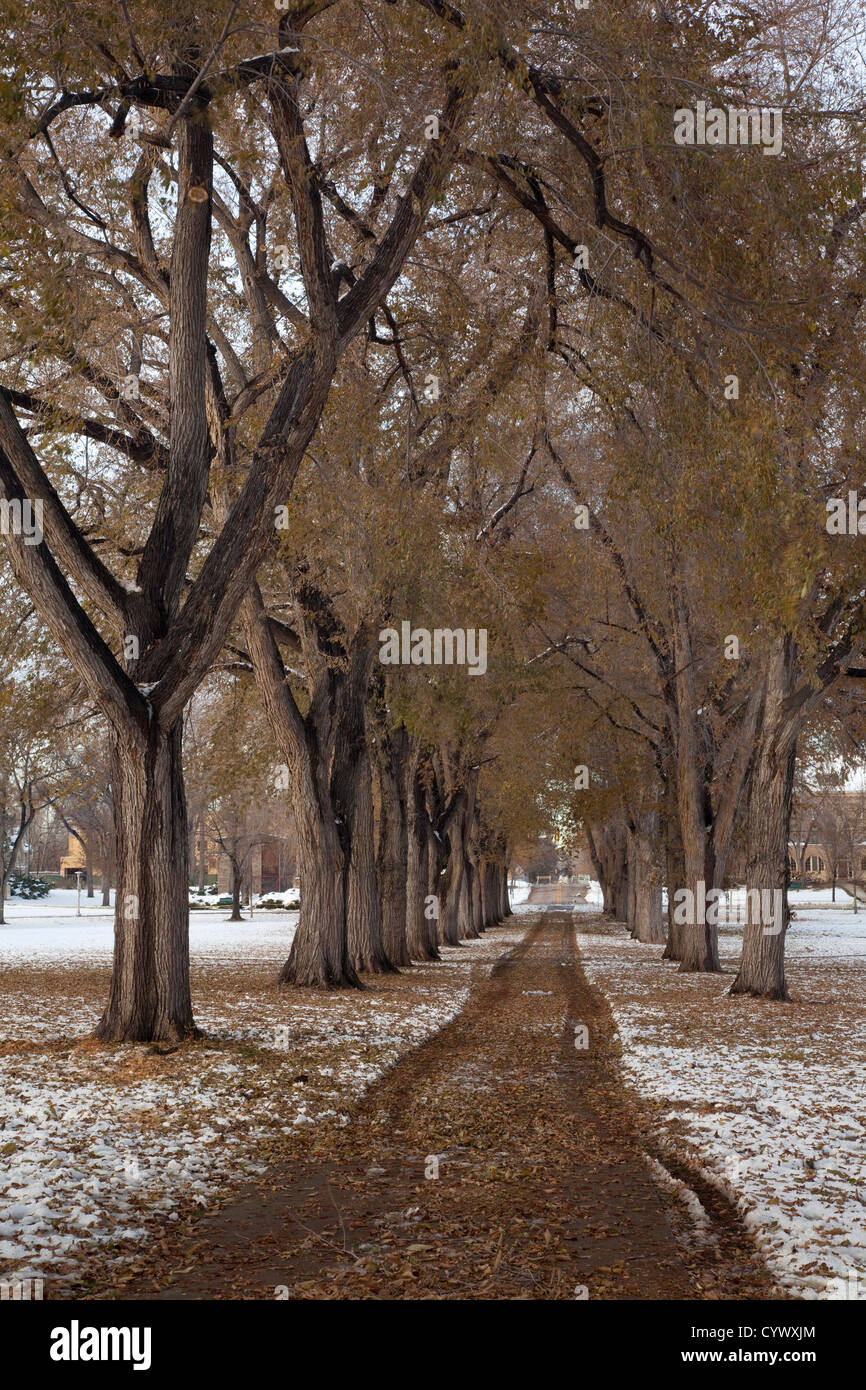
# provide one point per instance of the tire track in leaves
(499, 1160)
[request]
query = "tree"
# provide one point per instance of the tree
(170, 396)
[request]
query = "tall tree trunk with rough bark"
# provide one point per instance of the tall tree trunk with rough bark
(352, 797)
(392, 752)
(452, 880)
(762, 964)
(422, 930)
(646, 924)
(319, 954)
(700, 937)
(149, 997)
(608, 849)
(675, 876)
(505, 905)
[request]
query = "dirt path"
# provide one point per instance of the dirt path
(543, 1190)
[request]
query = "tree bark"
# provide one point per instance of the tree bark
(762, 964)
(452, 880)
(393, 848)
(319, 956)
(235, 915)
(648, 925)
(700, 938)
(352, 799)
(609, 851)
(422, 931)
(503, 889)
(320, 951)
(149, 999)
(675, 875)
(353, 796)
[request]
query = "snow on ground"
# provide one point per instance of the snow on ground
(98, 1142)
(766, 1098)
(519, 892)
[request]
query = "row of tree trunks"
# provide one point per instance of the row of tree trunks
(696, 837)
(370, 902)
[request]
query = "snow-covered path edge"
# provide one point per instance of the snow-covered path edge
(765, 1100)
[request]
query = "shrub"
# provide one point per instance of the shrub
(26, 886)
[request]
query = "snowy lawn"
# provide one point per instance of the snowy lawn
(101, 1143)
(767, 1099)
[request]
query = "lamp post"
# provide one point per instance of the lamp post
(78, 892)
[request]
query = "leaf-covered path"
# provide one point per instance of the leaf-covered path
(543, 1187)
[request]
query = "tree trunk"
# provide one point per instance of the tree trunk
(675, 875)
(762, 965)
(609, 851)
(466, 920)
(149, 999)
(354, 804)
(202, 850)
(393, 848)
(648, 925)
(422, 929)
(320, 951)
(503, 889)
(235, 915)
(476, 911)
(489, 892)
(631, 877)
(700, 937)
(352, 800)
(451, 884)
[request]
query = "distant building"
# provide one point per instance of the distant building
(269, 867)
(74, 860)
(819, 864)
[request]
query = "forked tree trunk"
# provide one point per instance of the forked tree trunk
(149, 998)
